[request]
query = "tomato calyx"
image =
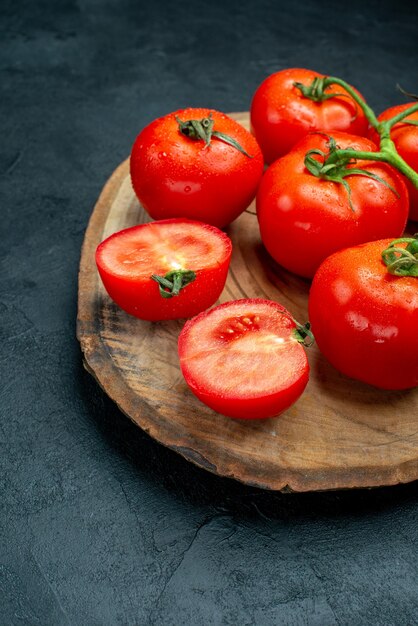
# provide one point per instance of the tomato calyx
(387, 152)
(303, 334)
(316, 90)
(336, 164)
(203, 130)
(402, 261)
(171, 284)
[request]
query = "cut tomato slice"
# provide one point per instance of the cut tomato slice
(130, 261)
(243, 358)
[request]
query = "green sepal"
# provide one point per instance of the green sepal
(336, 170)
(231, 141)
(171, 284)
(303, 334)
(197, 129)
(402, 261)
(360, 172)
(203, 129)
(316, 90)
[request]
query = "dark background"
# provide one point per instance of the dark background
(100, 524)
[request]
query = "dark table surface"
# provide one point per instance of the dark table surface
(100, 524)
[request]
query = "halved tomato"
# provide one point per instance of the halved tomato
(165, 270)
(244, 358)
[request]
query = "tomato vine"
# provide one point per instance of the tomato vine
(387, 152)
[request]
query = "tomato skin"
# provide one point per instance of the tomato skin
(139, 295)
(281, 116)
(303, 219)
(175, 176)
(364, 319)
(253, 408)
(405, 138)
(211, 386)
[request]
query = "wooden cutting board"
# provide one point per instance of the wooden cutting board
(339, 434)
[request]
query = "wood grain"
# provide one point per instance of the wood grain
(340, 434)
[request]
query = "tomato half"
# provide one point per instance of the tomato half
(405, 138)
(303, 218)
(129, 261)
(281, 116)
(174, 175)
(242, 359)
(364, 319)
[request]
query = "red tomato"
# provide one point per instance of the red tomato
(405, 138)
(174, 175)
(303, 218)
(364, 319)
(242, 359)
(281, 115)
(128, 260)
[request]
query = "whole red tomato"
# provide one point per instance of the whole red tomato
(365, 319)
(177, 173)
(165, 270)
(281, 115)
(405, 138)
(244, 358)
(304, 218)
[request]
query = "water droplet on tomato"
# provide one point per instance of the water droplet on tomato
(187, 189)
(162, 155)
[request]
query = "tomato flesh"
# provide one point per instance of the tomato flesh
(364, 319)
(243, 360)
(127, 260)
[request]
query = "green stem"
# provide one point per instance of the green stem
(398, 118)
(386, 155)
(350, 153)
(368, 112)
(401, 165)
(334, 167)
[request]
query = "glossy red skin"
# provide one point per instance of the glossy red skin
(250, 407)
(175, 176)
(141, 298)
(405, 138)
(303, 219)
(281, 116)
(364, 319)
